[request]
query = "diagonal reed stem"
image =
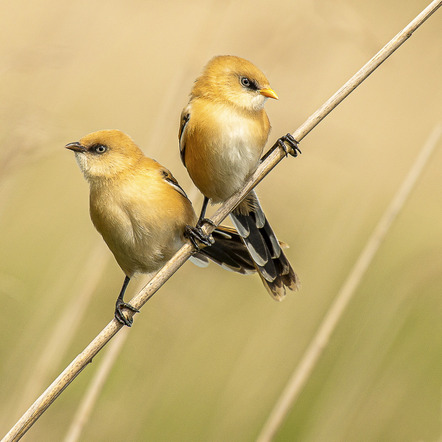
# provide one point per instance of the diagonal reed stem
(319, 342)
(276, 155)
(97, 382)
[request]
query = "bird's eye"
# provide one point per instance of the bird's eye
(248, 83)
(100, 148)
(245, 82)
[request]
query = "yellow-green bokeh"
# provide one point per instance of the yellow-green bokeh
(210, 353)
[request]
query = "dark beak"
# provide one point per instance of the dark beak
(76, 147)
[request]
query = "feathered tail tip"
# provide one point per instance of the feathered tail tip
(277, 287)
(272, 265)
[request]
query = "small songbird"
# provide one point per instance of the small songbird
(143, 214)
(223, 131)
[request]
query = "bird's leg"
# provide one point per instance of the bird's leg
(196, 233)
(291, 142)
(201, 219)
(119, 316)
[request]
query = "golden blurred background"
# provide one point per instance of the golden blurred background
(210, 354)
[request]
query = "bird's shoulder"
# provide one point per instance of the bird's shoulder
(170, 180)
(184, 120)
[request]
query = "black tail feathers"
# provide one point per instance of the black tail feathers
(264, 248)
(228, 251)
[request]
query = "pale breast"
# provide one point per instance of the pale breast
(236, 152)
(222, 146)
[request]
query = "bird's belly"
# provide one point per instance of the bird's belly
(231, 161)
(236, 164)
(223, 150)
(147, 252)
(139, 245)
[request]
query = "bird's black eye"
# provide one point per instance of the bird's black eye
(247, 83)
(99, 148)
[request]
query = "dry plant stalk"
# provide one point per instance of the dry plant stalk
(272, 159)
(97, 382)
(304, 369)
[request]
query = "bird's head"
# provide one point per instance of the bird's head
(105, 154)
(235, 80)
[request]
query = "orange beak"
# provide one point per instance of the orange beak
(268, 92)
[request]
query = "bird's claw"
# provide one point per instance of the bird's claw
(196, 234)
(203, 221)
(293, 145)
(120, 316)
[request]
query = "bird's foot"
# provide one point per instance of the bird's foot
(203, 221)
(196, 236)
(120, 316)
(289, 145)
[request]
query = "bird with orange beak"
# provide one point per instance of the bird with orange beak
(223, 131)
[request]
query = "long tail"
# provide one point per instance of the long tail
(228, 251)
(271, 263)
